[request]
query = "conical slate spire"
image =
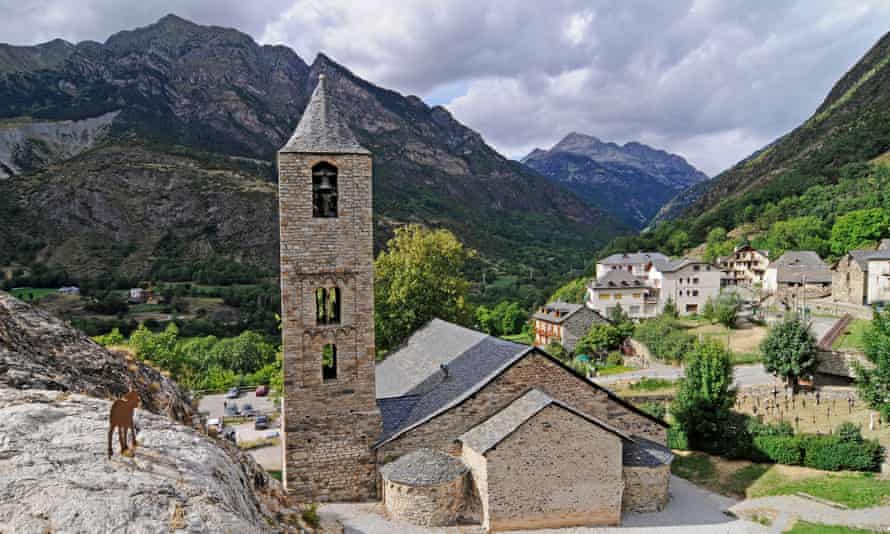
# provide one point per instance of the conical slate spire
(321, 129)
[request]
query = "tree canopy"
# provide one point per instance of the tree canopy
(859, 228)
(789, 351)
(419, 277)
(874, 384)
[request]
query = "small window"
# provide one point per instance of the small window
(329, 362)
(324, 190)
(695, 280)
(695, 292)
(696, 268)
(327, 305)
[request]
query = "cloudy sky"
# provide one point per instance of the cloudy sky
(712, 80)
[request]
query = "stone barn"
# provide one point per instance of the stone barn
(454, 424)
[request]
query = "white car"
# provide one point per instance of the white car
(215, 422)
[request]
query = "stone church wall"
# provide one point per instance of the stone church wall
(646, 488)
(533, 371)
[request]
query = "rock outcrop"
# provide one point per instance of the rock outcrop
(39, 351)
(56, 387)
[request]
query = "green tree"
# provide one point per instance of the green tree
(727, 309)
(702, 407)
(670, 309)
(678, 242)
(600, 338)
(161, 348)
(557, 351)
(717, 244)
(789, 351)
(858, 228)
(799, 233)
(243, 354)
(111, 338)
(709, 311)
(487, 321)
(513, 319)
(874, 383)
(418, 278)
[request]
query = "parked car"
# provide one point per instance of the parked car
(271, 434)
(233, 393)
(261, 422)
(248, 410)
(232, 410)
(229, 434)
(262, 391)
(215, 422)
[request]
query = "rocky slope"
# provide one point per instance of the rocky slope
(632, 182)
(208, 104)
(55, 386)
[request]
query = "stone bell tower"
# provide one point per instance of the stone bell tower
(330, 411)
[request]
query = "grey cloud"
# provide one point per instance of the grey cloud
(710, 79)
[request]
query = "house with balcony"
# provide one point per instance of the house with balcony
(745, 267)
(621, 288)
(635, 263)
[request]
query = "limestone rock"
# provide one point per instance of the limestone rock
(55, 476)
(39, 351)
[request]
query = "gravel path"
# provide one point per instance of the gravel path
(790, 508)
(691, 510)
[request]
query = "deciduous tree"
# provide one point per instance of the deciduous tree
(789, 351)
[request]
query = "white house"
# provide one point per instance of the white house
(637, 263)
(746, 266)
(620, 287)
(688, 282)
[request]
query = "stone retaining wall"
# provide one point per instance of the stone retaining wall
(840, 362)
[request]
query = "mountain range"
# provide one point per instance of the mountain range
(158, 146)
(631, 182)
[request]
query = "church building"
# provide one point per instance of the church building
(454, 425)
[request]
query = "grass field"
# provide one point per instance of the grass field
(30, 294)
(854, 337)
(743, 343)
(744, 479)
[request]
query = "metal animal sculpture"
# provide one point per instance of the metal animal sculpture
(121, 418)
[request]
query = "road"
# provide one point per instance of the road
(743, 375)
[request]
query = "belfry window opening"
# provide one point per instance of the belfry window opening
(329, 362)
(324, 190)
(327, 305)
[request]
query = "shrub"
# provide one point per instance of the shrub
(779, 449)
(677, 439)
(652, 384)
(832, 453)
(310, 515)
(614, 358)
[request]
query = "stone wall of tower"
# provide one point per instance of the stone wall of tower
(329, 426)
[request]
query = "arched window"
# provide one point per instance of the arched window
(324, 190)
(327, 305)
(329, 362)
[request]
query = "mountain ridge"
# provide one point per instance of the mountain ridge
(631, 181)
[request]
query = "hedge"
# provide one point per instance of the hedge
(779, 449)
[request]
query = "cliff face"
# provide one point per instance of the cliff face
(55, 386)
(192, 106)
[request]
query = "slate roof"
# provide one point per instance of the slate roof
(618, 278)
(633, 257)
(321, 129)
(862, 257)
(496, 428)
(565, 310)
(435, 344)
(794, 265)
(424, 467)
(438, 392)
(645, 453)
(669, 266)
(467, 372)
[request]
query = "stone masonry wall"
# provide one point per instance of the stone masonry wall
(429, 506)
(852, 291)
(646, 488)
(576, 326)
(556, 470)
(533, 371)
(329, 426)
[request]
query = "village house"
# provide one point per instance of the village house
(454, 424)
(688, 282)
(637, 263)
(622, 288)
(563, 323)
(862, 277)
(798, 275)
(745, 267)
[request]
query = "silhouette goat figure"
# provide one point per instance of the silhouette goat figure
(121, 418)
